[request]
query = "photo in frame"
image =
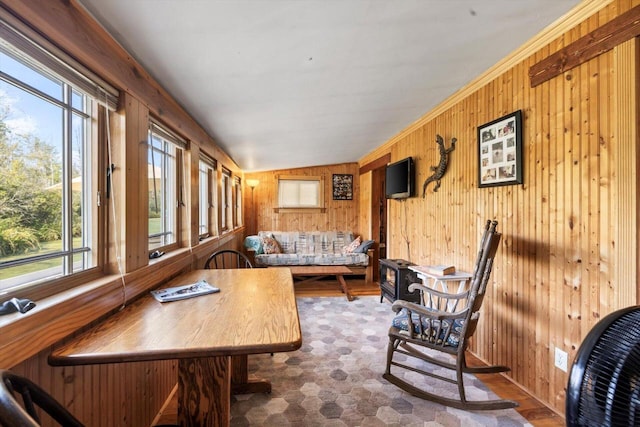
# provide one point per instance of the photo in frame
(500, 151)
(342, 187)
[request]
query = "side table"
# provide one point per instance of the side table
(442, 282)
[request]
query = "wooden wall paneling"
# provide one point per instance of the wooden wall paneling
(626, 91)
(365, 227)
(540, 298)
(482, 335)
(518, 204)
(191, 221)
(128, 394)
(562, 227)
(135, 250)
(591, 174)
(607, 206)
(337, 215)
(569, 223)
(555, 202)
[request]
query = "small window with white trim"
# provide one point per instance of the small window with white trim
(226, 216)
(238, 202)
(166, 192)
(208, 225)
(300, 192)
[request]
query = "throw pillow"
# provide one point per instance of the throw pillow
(270, 245)
(352, 246)
(364, 247)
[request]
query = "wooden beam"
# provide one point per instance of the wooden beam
(605, 38)
(378, 163)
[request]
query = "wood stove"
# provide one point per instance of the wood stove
(395, 278)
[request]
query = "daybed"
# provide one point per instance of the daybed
(287, 248)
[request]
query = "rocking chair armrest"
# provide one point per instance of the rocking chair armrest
(428, 312)
(439, 294)
(400, 304)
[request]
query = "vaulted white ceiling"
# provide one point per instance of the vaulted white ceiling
(292, 83)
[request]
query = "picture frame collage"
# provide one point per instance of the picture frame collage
(500, 151)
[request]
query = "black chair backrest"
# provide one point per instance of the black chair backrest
(13, 413)
(227, 258)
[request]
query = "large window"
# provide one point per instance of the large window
(166, 187)
(47, 186)
(207, 190)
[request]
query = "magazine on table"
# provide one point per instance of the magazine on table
(201, 287)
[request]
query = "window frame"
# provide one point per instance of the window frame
(226, 201)
(207, 186)
(173, 147)
(68, 273)
(301, 180)
(237, 206)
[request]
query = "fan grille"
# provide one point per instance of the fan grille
(610, 390)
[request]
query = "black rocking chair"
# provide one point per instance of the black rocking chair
(419, 332)
(25, 413)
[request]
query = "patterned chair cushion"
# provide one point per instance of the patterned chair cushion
(401, 322)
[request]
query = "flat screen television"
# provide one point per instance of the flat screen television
(400, 179)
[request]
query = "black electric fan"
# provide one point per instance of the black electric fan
(604, 383)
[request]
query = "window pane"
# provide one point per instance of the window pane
(308, 193)
(238, 214)
(44, 214)
(213, 196)
(162, 176)
(203, 227)
(298, 193)
(77, 100)
(44, 83)
(224, 202)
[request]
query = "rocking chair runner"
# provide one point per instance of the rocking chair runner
(420, 331)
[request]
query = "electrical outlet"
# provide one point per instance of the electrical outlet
(561, 359)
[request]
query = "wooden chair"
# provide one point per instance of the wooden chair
(25, 413)
(227, 258)
(422, 332)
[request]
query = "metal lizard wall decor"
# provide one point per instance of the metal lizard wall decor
(441, 168)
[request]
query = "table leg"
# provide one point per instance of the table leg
(343, 284)
(240, 381)
(204, 391)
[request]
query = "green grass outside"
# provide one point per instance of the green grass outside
(155, 226)
(45, 247)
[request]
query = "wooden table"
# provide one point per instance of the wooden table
(210, 335)
(315, 272)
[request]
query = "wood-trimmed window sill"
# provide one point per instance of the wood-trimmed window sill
(299, 210)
